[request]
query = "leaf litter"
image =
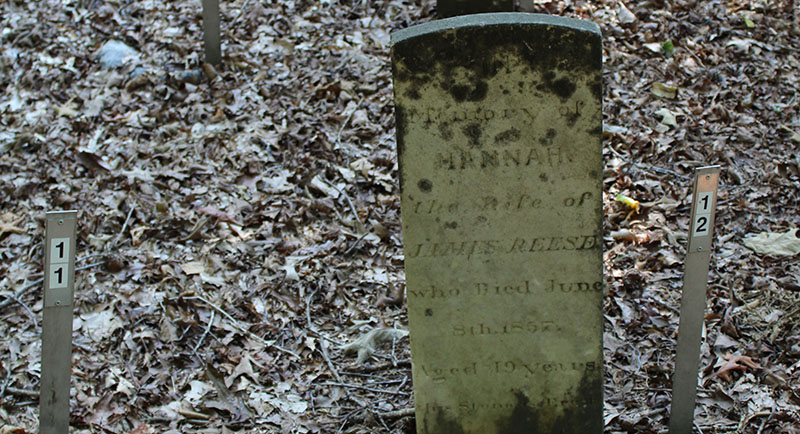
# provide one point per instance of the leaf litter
(240, 224)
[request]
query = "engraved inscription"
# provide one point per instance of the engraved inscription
(433, 115)
(463, 159)
(525, 287)
(512, 202)
(511, 328)
(491, 247)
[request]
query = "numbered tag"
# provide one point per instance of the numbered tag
(59, 258)
(702, 213)
(704, 202)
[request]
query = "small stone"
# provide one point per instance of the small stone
(114, 54)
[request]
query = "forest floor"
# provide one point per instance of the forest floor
(239, 225)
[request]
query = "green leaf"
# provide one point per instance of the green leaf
(749, 23)
(667, 48)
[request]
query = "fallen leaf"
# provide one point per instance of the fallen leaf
(667, 117)
(365, 345)
(667, 48)
(623, 235)
(664, 91)
(222, 216)
(68, 109)
(624, 14)
(739, 45)
(768, 243)
(8, 224)
(194, 267)
(92, 161)
(735, 363)
(793, 135)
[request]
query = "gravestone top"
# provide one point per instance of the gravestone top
(449, 8)
(493, 19)
(498, 120)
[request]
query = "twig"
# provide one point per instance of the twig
(242, 329)
(346, 419)
(378, 415)
(355, 243)
(205, 333)
(93, 255)
(380, 367)
(23, 392)
(27, 309)
(127, 219)
(397, 414)
(5, 383)
(86, 267)
(347, 121)
(322, 345)
(746, 419)
(241, 10)
(359, 226)
(193, 414)
(369, 389)
(629, 160)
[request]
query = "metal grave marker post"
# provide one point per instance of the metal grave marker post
(59, 281)
(499, 136)
(693, 300)
(211, 36)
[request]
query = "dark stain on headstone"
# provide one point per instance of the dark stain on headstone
(425, 185)
(413, 93)
(597, 90)
(523, 419)
(400, 127)
(506, 137)
(445, 131)
(584, 414)
(543, 177)
(437, 57)
(451, 225)
(473, 92)
(444, 424)
(473, 132)
(428, 312)
(562, 87)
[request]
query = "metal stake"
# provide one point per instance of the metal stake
(693, 300)
(59, 283)
(211, 37)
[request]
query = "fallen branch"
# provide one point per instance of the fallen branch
(322, 345)
(242, 329)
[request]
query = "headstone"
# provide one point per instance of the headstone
(451, 8)
(498, 120)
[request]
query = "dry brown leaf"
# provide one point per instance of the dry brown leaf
(222, 216)
(735, 362)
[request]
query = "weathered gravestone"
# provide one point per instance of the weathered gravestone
(498, 121)
(451, 8)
